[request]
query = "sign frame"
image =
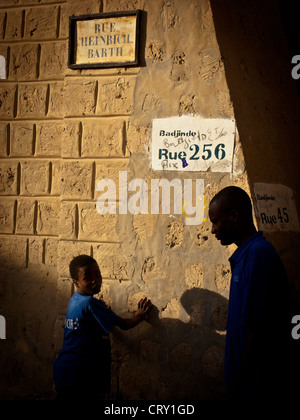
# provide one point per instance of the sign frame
(73, 47)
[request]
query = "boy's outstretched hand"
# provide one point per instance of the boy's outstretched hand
(138, 316)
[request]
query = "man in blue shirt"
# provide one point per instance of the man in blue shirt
(257, 339)
(84, 362)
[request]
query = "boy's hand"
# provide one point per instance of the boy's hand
(138, 316)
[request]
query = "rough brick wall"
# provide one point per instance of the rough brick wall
(62, 131)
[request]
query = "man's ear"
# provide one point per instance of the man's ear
(75, 282)
(235, 215)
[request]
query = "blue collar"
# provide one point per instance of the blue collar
(238, 253)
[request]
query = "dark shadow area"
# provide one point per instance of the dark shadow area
(257, 63)
(177, 360)
(289, 11)
(256, 40)
(184, 361)
(28, 303)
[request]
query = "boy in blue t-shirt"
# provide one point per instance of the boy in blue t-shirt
(84, 362)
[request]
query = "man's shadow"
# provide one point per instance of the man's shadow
(183, 360)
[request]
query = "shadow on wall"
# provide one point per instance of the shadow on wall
(28, 302)
(163, 358)
(256, 39)
(173, 359)
(254, 47)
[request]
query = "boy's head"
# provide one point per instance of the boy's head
(86, 275)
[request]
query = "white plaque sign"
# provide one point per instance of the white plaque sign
(193, 144)
(275, 208)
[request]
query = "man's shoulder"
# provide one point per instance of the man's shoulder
(261, 243)
(263, 250)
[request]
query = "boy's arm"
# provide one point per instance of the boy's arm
(143, 307)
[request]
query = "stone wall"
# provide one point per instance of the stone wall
(62, 131)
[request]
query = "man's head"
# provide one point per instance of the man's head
(230, 212)
(86, 275)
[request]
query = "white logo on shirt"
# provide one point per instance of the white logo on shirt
(71, 324)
